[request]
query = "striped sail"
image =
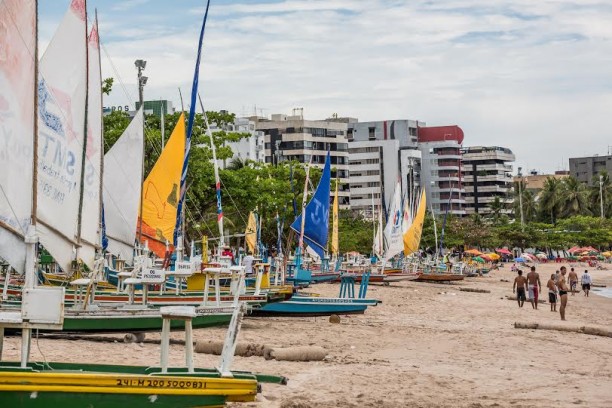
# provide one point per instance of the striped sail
(122, 182)
(90, 213)
(17, 115)
(61, 134)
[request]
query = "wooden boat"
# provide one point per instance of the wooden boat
(439, 277)
(315, 306)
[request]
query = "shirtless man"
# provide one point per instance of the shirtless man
(552, 293)
(519, 287)
(534, 286)
(562, 292)
(573, 281)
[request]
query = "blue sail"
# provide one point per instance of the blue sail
(316, 227)
(194, 93)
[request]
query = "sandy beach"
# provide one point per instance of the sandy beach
(426, 345)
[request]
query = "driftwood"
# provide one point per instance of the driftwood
(474, 290)
(526, 300)
(595, 331)
(304, 353)
(242, 349)
(597, 285)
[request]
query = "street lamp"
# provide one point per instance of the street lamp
(521, 197)
(601, 206)
(142, 81)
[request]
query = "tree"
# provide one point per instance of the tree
(573, 198)
(107, 86)
(497, 206)
(606, 191)
(550, 198)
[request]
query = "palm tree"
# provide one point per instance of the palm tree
(573, 199)
(528, 199)
(496, 210)
(549, 199)
(237, 163)
(606, 192)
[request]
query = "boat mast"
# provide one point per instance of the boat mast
(101, 191)
(217, 179)
(84, 153)
(304, 198)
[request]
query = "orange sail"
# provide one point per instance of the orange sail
(161, 191)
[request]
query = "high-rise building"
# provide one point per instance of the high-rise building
(157, 107)
(441, 168)
(380, 153)
(487, 174)
(294, 138)
(585, 168)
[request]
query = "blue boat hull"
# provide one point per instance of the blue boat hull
(315, 306)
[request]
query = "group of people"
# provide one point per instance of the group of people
(558, 287)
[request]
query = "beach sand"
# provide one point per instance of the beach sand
(426, 345)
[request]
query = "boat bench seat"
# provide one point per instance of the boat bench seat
(132, 281)
(82, 282)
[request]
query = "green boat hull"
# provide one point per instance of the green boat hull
(138, 323)
(75, 400)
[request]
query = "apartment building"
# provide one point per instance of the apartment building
(295, 138)
(487, 174)
(585, 168)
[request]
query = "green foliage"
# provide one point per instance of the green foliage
(107, 85)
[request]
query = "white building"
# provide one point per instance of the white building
(487, 173)
(294, 138)
(248, 148)
(380, 153)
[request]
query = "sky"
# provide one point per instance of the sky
(533, 76)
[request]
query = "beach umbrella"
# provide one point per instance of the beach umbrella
(493, 256)
(607, 254)
(474, 252)
(486, 258)
(478, 259)
(519, 259)
(574, 249)
(541, 256)
(503, 251)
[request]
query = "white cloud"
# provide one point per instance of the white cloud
(531, 76)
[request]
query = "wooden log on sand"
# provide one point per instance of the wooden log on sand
(242, 349)
(527, 300)
(303, 353)
(474, 290)
(595, 331)
(597, 285)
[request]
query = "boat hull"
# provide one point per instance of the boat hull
(439, 277)
(315, 306)
(90, 385)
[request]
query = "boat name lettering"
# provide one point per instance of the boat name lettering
(159, 383)
(323, 300)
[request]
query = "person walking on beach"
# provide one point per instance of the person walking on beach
(519, 287)
(586, 283)
(534, 286)
(573, 280)
(562, 286)
(552, 293)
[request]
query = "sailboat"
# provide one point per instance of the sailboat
(31, 384)
(312, 225)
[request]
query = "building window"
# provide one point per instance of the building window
(372, 133)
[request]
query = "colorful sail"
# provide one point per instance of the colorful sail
(61, 134)
(334, 244)
(122, 183)
(412, 237)
(316, 214)
(393, 230)
(192, 112)
(17, 115)
(250, 235)
(90, 212)
(161, 192)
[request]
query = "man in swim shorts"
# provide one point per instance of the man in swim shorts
(534, 286)
(562, 286)
(573, 281)
(552, 293)
(519, 287)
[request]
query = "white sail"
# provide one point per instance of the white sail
(90, 213)
(122, 183)
(61, 122)
(17, 115)
(378, 237)
(394, 230)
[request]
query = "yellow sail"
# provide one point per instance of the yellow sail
(161, 190)
(412, 237)
(334, 244)
(250, 235)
